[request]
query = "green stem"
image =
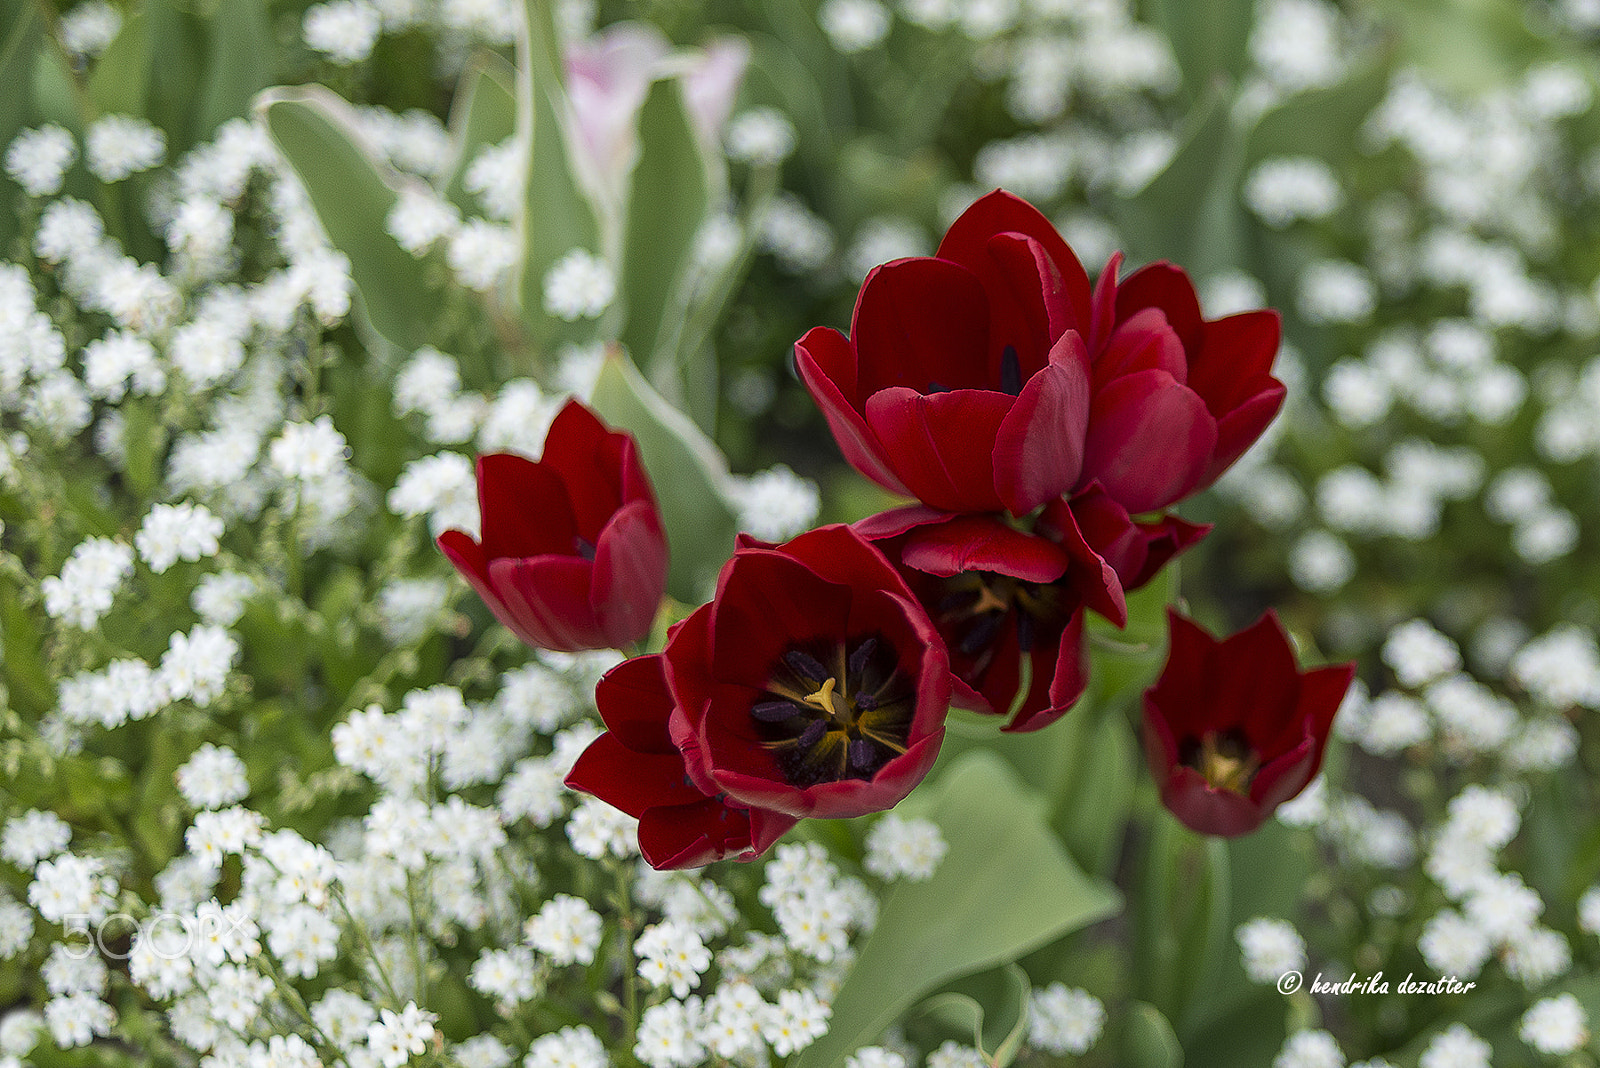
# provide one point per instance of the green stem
(365, 941)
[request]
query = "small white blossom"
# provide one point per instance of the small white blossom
(1062, 1020)
(119, 145)
(1555, 1026)
(1270, 948)
(579, 286)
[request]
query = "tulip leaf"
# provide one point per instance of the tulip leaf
(1005, 888)
(352, 194)
(559, 216)
(180, 39)
(122, 73)
(1148, 1040)
(240, 63)
(689, 475)
(484, 113)
(1210, 41)
(1468, 46)
(667, 204)
(1322, 120)
(1190, 212)
(992, 1007)
(1182, 902)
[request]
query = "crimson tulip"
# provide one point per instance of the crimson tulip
(635, 767)
(991, 376)
(1233, 728)
(572, 553)
(1010, 603)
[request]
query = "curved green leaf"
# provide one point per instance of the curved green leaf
(1005, 887)
(689, 474)
(484, 113)
(352, 194)
(240, 64)
(1148, 1040)
(1210, 40)
(667, 204)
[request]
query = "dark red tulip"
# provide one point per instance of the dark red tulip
(814, 684)
(1010, 603)
(635, 767)
(991, 377)
(572, 553)
(1233, 729)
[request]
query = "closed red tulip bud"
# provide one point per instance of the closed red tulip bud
(1233, 728)
(572, 554)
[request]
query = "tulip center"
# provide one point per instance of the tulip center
(1224, 758)
(977, 603)
(834, 712)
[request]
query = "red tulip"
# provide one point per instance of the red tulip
(635, 767)
(573, 555)
(1001, 596)
(989, 376)
(1233, 729)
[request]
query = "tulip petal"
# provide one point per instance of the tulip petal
(826, 364)
(1166, 286)
(768, 603)
(982, 543)
(692, 835)
(920, 323)
(525, 508)
(1039, 447)
(549, 597)
(897, 521)
(630, 780)
(635, 704)
(1233, 361)
(630, 574)
(1028, 304)
(1207, 810)
(1000, 212)
(942, 445)
(1240, 428)
(1143, 342)
(1150, 440)
(1067, 681)
(588, 458)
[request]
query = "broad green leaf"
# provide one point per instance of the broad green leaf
(1324, 121)
(240, 64)
(689, 475)
(121, 75)
(1210, 40)
(1148, 1040)
(181, 41)
(667, 203)
(559, 216)
(1190, 213)
(1469, 46)
(992, 1007)
(484, 113)
(352, 194)
(1182, 904)
(1004, 888)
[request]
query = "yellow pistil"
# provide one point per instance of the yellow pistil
(823, 699)
(988, 601)
(1225, 767)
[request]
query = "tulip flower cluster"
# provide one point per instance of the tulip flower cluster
(1045, 428)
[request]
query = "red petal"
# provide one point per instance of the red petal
(1206, 810)
(1000, 212)
(629, 780)
(897, 521)
(692, 835)
(630, 573)
(1239, 429)
(942, 445)
(1150, 440)
(826, 364)
(525, 508)
(1165, 286)
(917, 322)
(1068, 679)
(635, 703)
(1038, 450)
(548, 596)
(1234, 358)
(1141, 343)
(982, 543)
(588, 458)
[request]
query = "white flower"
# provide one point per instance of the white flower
(220, 597)
(343, 30)
(671, 954)
(566, 930)
(119, 145)
(1561, 668)
(1270, 948)
(1484, 816)
(1321, 562)
(1538, 956)
(579, 286)
(38, 159)
(596, 829)
(196, 664)
(874, 1057)
(952, 1054)
(570, 1047)
(110, 361)
(667, 1037)
(495, 177)
(794, 1021)
(481, 252)
(1283, 190)
(1556, 1026)
(1454, 945)
(1394, 721)
(213, 777)
(1456, 1047)
(88, 28)
(904, 848)
(507, 975)
(173, 532)
(419, 218)
(76, 1019)
(762, 136)
(1418, 654)
(442, 487)
(309, 451)
(1061, 1020)
(88, 581)
(1332, 291)
(1504, 907)
(32, 836)
(395, 1037)
(854, 25)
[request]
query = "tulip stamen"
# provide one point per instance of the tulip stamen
(1225, 760)
(829, 726)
